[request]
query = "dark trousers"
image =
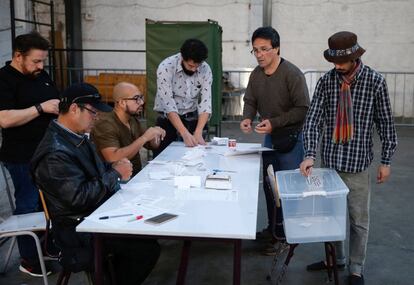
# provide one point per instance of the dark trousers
(171, 132)
(280, 161)
(132, 259)
(26, 197)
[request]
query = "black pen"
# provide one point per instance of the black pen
(114, 216)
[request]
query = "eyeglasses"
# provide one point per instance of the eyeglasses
(92, 112)
(136, 98)
(256, 51)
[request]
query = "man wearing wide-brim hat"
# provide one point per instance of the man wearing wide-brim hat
(348, 102)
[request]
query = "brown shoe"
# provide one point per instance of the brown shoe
(276, 249)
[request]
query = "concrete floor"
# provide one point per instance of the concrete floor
(390, 249)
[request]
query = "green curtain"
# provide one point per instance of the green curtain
(164, 39)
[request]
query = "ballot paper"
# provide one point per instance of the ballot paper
(186, 182)
(243, 151)
(160, 175)
(194, 154)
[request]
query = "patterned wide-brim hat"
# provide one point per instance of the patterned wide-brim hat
(343, 47)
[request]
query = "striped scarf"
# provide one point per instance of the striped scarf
(344, 125)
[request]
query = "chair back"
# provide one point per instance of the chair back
(273, 185)
(276, 221)
(48, 228)
(8, 188)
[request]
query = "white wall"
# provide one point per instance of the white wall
(385, 29)
(121, 25)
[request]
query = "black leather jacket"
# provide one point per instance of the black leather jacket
(72, 175)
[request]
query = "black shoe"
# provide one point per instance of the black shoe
(265, 234)
(33, 269)
(321, 265)
(356, 280)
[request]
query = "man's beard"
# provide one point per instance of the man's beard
(131, 113)
(186, 71)
(33, 74)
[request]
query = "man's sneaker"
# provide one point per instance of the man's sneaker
(33, 269)
(356, 280)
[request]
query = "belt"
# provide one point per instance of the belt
(193, 114)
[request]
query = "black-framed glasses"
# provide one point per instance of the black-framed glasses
(92, 112)
(256, 51)
(137, 98)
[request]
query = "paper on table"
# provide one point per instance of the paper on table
(132, 186)
(193, 154)
(156, 204)
(157, 161)
(242, 151)
(160, 175)
(186, 182)
(206, 195)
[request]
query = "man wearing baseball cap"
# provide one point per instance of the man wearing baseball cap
(76, 181)
(348, 102)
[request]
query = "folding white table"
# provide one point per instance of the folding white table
(203, 214)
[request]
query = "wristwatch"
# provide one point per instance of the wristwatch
(39, 108)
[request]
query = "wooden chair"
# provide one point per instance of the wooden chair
(64, 275)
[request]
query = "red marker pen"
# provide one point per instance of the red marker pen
(137, 218)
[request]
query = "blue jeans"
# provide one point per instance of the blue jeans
(280, 161)
(26, 197)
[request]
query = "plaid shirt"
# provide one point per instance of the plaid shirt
(371, 105)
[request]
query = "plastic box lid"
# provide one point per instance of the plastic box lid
(322, 182)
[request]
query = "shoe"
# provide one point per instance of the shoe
(265, 234)
(321, 265)
(33, 269)
(356, 280)
(276, 249)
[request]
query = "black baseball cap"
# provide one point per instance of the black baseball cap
(84, 93)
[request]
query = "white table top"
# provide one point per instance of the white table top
(201, 212)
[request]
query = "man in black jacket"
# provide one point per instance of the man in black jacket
(75, 181)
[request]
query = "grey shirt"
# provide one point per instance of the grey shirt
(179, 92)
(281, 97)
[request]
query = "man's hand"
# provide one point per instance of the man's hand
(306, 166)
(246, 126)
(189, 139)
(124, 168)
(384, 172)
(51, 106)
(154, 133)
(199, 138)
(264, 127)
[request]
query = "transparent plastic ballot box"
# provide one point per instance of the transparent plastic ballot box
(314, 208)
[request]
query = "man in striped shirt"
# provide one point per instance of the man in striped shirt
(348, 101)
